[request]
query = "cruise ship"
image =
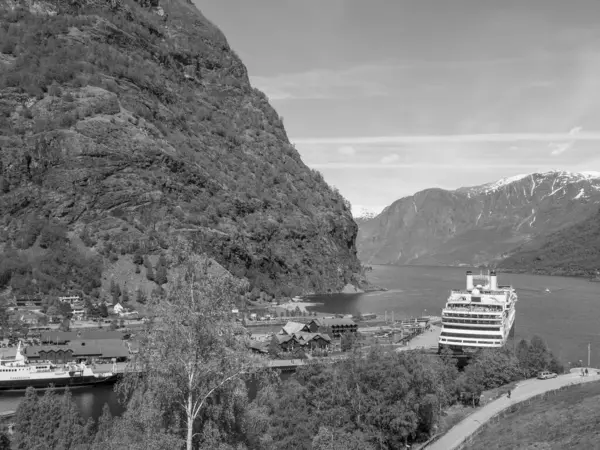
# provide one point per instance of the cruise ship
(482, 315)
(18, 373)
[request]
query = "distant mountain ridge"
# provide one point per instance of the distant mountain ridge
(478, 224)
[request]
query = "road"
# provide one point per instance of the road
(526, 389)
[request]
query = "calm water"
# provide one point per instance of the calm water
(89, 400)
(568, 318)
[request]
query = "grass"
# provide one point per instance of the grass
(568, 419)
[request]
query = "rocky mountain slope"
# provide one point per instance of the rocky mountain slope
(572, 251)
(124, 125)
(480, 224)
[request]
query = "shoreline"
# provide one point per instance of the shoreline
(515, 271)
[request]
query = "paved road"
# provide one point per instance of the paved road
(526, 389)
(426, 340)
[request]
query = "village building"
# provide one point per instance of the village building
(63, 337)
(29, 317)
(309, 341)
(294, 327)
(79, 350)
(70, 300)
(333, 327)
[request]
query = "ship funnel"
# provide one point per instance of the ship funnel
(469, 280)
(493, 281)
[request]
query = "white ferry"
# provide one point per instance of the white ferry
(18, 373)
(480, 316)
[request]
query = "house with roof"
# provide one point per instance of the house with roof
(29, 317)
(79, 350)
(285, 342)
(306, 340)
(118, 309)
(64, 337)
(259, 347)
(313, 340)
(334, 327)
(294, 327)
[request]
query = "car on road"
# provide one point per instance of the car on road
(546, 375)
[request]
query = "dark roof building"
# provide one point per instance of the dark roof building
(333, 327)
(78, 350)
(62, 337)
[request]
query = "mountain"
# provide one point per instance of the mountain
(480, 224)
(126, 126)
(572, 251)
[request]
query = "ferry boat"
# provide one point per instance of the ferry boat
(19, 373)
(482, 315)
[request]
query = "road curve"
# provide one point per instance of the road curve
(525, 390)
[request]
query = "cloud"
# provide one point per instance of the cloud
(483, 165)
(346, 150)
(359, 81)
(390, 158)
(453, 138)
(575, 130)
(558, 149)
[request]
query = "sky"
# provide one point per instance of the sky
(389, 97)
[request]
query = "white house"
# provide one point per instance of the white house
(118, 308)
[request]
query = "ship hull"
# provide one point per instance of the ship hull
(63, 382)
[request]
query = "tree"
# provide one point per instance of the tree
(4, 442)
(125, 296)
(160, 277)
(102, 310)
(65, 325)
(43, 320)
(193, 353)
(140, 296)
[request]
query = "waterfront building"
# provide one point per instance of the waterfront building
(63, 337)
(332, 326)
(79, 350)
(482, 315)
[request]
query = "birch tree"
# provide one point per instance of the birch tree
(193, 349)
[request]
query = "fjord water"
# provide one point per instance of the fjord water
(89, 400)
(567, 317)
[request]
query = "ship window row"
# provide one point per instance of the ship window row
(458, 327)
(472, 336)
(475, 308)
(10, 370)
(482, 322)
(472, 316)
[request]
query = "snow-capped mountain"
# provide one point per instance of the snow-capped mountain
(478, 224)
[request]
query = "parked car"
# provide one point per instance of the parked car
(546, 375)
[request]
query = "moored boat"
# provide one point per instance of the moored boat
(482, 315)
(19, 373)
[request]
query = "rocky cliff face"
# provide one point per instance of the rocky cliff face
(124, 125)
(477, 225)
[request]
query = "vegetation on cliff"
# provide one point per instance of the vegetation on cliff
(571, 251)
(123, 124)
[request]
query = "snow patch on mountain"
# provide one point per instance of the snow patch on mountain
(562, 178)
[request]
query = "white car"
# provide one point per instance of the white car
(546, 375)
